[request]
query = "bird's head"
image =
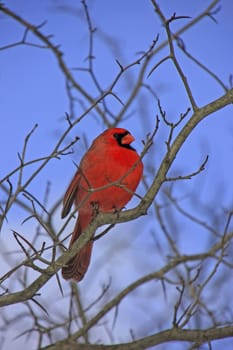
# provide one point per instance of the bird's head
(118, 136)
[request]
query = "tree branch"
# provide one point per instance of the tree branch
(174, 334)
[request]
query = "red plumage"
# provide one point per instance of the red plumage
(105, 181)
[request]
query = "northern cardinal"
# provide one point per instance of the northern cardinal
(105, 181)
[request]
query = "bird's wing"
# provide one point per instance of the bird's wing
(70, 194)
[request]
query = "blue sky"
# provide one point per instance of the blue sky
(32, 91)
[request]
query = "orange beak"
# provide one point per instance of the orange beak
(127, 139)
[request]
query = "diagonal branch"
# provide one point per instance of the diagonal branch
(127, 215)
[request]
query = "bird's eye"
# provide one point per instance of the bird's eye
(118, 137)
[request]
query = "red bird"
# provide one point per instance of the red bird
(105, 181)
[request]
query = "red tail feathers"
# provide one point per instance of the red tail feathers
(76, 267)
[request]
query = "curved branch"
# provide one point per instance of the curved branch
(169, 335)
(127, 215)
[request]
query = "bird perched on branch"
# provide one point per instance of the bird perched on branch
(105, 181)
